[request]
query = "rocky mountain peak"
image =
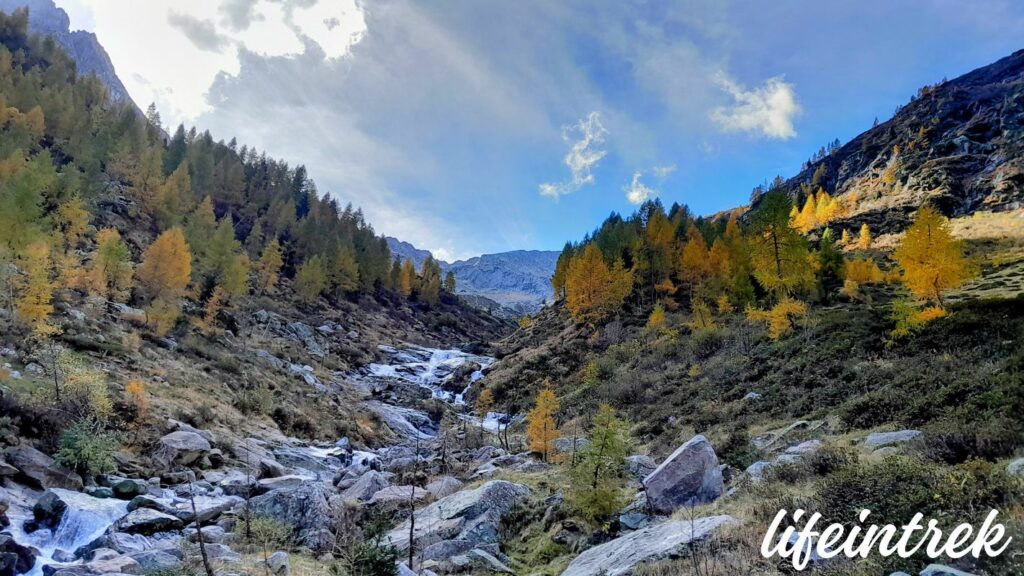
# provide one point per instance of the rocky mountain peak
(46, 18)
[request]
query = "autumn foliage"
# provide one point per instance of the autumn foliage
(930, 260)
(594, 289)
(540, 428)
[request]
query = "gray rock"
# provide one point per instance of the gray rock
(640, 466)
(1016, 468)
(752, 396)
(365, 487)
(6, 469)
(880, 439)
(15, 558)
(653, 543)
(156, 560)
(804, 448)
(128, 489)
(443, 486)
(271, 469)
(106, 561)
(757, 469)
(472, 515)
(211, 534)
(180, 448)
(306, 508)
(397, 494)
(40, 469)
(222, 553)
(146, 521)
(278, 563)
(482, 559)
(99, 491)
(689, 476)
(941, 570)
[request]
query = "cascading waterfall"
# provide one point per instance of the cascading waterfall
(429, 368)
(85, 519)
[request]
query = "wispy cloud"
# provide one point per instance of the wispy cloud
(767, 110)
(637, 192)
(587, 150)
(662, 172)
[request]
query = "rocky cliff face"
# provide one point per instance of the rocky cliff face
(47, 19)
(958, 144)
(518, 281)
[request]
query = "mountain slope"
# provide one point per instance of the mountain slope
(958, 144)
(518, 281)
(83, 47)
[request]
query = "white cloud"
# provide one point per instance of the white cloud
(767, 110)
(662, 172)
(637, 192)
(175, 49)
(587, 150)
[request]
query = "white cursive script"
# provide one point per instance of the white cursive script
(811, 544)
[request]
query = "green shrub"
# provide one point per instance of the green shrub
(830, 458)
(256, 400)
(953, 442)
(87, 448)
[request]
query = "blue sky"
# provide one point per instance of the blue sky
(485, 126)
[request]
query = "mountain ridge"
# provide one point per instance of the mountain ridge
(47, 19)
(519, 281)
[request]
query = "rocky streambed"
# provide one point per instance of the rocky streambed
(58, 523)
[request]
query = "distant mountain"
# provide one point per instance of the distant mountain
(518, 282)
(47, 19)
(958, 144)
(405, 251)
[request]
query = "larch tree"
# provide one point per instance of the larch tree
(598, 478)
(594, 290)
(864, 238)
(173, 199)
(163, 277)
(166, 267)
(311, 279)
(541, 430)
(268, 268)
(694, 260)
(930, 260)
(35, 302)
(449, 283)
(110, 272)
(407, 279)
(779, 253)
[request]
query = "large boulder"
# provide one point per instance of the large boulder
(14, 558)
(620, 556)
(146, 521)
(365, 487)
(472, 515)
(40, 469)
(306, 508)
(689, 476)
(182, 448)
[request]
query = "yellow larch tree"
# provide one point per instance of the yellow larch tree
(110, 272)
(268, 268)
(930, 259)
(163, 277)
(540, 428)
(35, 302)
(694, 260)
(166, 266)
(594, 290)
(407, 278)
(864, 238)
